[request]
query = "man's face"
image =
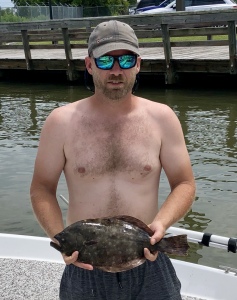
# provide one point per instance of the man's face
(115, 83)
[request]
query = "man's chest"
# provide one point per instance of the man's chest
(107, 148)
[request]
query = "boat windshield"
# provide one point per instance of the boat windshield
(165, 3)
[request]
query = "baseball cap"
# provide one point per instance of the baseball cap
(110, 36)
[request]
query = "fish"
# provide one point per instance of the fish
(114, 244)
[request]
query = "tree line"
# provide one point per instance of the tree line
(85, 3)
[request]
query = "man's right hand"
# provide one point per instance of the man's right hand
(73, 260)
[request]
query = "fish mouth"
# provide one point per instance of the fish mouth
(56, 246)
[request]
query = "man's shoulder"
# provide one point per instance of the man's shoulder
(156, 107)
(66, 110)
(61, 117)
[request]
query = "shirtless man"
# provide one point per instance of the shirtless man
(111, 148)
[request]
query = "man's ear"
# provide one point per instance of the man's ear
(138, 64)
(89, 81)
(88, 64)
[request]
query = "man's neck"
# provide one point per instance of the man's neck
(122, 106)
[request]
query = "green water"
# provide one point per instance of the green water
(209, 121)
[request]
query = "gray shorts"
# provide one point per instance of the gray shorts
(149, 281)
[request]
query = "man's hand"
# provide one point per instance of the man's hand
(159, 232)
(73, 260)
(148, 255)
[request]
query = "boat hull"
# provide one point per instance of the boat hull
(197, 281)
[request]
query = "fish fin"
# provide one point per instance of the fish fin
(174, 245)
(136, 222)
(55, 246)
(90, 243)
(122, 267)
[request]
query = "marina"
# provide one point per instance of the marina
(171, 44)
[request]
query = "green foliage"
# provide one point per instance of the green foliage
(13, 18)
(29, 2)
(102, 7)
(9, 15)
(6, 15)
(91, 8)
(85, 3)
(6, 11)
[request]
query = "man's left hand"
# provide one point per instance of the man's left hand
(159, 232)
(150, 256)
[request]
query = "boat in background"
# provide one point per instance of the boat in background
(198, 282)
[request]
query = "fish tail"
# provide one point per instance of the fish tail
(174, 245)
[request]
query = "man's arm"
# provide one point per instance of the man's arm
(49, 164)
(175, 161)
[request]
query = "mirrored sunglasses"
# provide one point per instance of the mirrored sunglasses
(106, 62)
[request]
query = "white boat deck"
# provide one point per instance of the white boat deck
(30, 270)
(29, 279)
(33, 280)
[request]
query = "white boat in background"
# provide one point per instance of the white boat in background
(41, 268)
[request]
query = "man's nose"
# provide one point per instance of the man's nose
(116, 68)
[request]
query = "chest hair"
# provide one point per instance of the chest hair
(102, 146)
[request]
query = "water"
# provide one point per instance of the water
(209, 121)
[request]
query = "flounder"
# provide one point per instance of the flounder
(114, 244)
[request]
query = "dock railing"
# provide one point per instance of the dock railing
(160, 30)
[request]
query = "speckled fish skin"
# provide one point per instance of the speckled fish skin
(114, 244)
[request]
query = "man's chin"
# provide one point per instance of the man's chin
(115, 94)
(117, 86)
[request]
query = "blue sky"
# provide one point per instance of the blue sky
(6, 3)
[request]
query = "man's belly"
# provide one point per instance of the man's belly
(113, 196)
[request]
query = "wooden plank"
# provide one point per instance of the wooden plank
(163, 27)
(142, 34)
(170, 74)
(232, 46)
(26, 47)
(150, 44)
(206, 17)
(11, 46)
(7, 38)
(47, 46)
(198, 31)
(49, 36)
(71, 73)
(79, 46)
(148, 66)
(202, 66)
(67, 46)
(51, 64)
(45, 37)
(209, 43)
(45, 31)
(12, 64)
(79, 35)
(185, 18)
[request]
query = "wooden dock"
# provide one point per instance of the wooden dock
(62, 44)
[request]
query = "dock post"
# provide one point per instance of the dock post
(71, 73)
(170, 77)
(232, 46)
(26, 46)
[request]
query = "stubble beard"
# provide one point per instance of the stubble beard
(114, 94)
